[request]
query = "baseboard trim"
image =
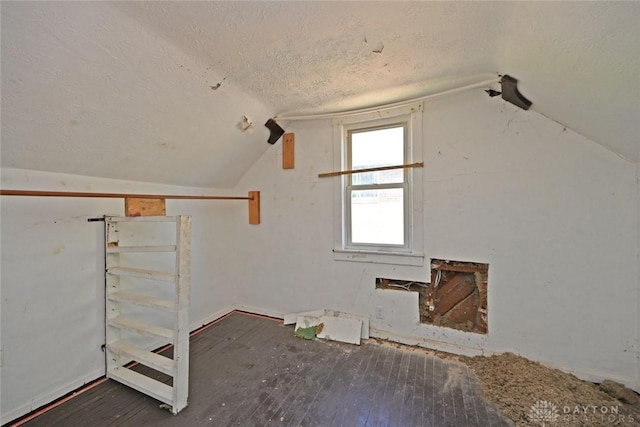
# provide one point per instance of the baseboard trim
(77, 386)
(38, 403)
(260, 311)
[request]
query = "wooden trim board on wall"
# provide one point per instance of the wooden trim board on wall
(288, 151)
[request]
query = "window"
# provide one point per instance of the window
(379, 213)
(377, 202)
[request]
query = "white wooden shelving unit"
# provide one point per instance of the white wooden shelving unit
(121, 349)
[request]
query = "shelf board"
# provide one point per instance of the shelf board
(141, 218)
(123, 249)
(141, 327)
(164, 276)
(143, 300)
(142, 383)
(147, 358)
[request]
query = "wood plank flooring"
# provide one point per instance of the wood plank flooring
(250, 371)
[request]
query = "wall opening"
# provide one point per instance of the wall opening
(456, 297)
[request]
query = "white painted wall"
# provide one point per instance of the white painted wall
(52, 280)
(554, 214)
(88, 90)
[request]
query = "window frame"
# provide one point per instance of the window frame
(411, 253)
(349, 187)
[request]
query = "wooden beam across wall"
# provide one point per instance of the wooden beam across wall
(39, 193)
(253, 198)
(381, 168)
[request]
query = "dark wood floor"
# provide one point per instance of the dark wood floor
(250, 371)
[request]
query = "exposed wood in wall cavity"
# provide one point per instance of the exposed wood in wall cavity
(381, 168)
(458, 268)
(455, 298)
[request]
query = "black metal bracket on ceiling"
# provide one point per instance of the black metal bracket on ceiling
(510, 92)
(275, 129)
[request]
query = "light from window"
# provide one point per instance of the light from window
(377, 201)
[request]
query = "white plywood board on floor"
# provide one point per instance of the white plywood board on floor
(307, 321)
(364, 332)
(295, 318)
(341, 329)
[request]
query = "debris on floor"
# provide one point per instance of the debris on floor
(329, 324)
(307, 321)
(306, 333)
(620, 392)
(531, 394)
(517, 385)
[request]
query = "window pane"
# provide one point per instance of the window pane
(377, 216)
(375, 148)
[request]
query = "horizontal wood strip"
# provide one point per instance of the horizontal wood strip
(459, 269)
(381, 168)
(40, 193)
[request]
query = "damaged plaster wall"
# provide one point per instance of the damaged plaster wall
(52, 279)
(554, 215)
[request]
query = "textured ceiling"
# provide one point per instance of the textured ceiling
(156, 91)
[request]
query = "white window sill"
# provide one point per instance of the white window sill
(379, 257)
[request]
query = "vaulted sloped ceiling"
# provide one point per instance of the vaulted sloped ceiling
(158, 91)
